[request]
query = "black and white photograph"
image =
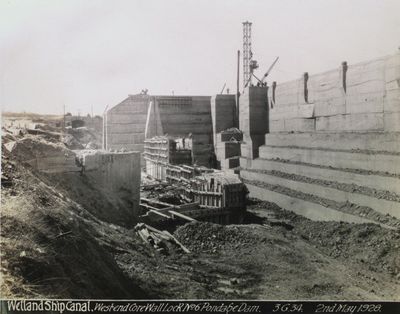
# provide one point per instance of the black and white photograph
(200, 156)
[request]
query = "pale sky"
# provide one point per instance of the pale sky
(94, 53)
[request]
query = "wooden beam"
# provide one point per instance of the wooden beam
(186, 250)
(148, 206)
(188, 206)
(174, 213)
(158, 213)
(151, 201)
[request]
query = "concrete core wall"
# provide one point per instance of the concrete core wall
(117, 174)
(106, 177)
(253, 119)
(360, 97)
(129, 122)
(115, 171)
(125, 124)
(223, 109)
(183, 115)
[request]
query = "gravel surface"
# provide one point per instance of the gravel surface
(209, 237)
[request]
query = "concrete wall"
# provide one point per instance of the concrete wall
(359, 97)
(108, 177)
(115, 171)
(130, 121)
(253, 119)
(181, 115)
(125, 124)
(223, 109)
(332, 150)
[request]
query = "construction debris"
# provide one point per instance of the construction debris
(160, 240)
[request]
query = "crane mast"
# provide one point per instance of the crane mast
(247, 54)
(249, 65)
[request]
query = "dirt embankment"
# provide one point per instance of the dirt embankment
(52, 247)
(108, 205)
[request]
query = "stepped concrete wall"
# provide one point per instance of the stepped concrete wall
(332, 158)
(307, 209)
(360, 97)
(372, 181)
(333, 147)
(372, 141)
(356, 173)
(380, 205)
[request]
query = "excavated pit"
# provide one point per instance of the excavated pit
(57, 245)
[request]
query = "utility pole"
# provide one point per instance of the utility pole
(105, 128)
(237, 89)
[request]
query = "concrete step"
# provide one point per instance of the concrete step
(230, 163)
(378, 182)
(382, 206)
(245, 163)
(339, 159)
(307, 209)
(375, 141)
